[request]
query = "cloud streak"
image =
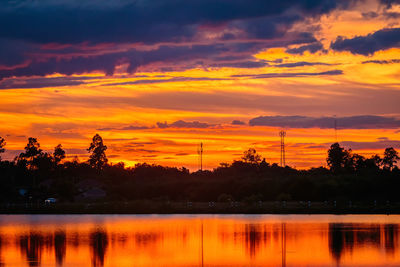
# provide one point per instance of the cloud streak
(390, 61)
(312, 48)
(18, 83)
(184, 124)
(125, 128)
(351, 122)
(288, 74)
(381, 144)
(169, 80)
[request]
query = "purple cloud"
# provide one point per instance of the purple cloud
(183, 124)
(352, 122)
(288, 74)
(99, 35)
(312, 48)
(369, 44)
(238, 122)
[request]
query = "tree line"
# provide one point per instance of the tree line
(35, 175)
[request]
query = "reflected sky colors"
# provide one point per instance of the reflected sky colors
(156, 78)
(114, 240)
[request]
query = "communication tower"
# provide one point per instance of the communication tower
(282, 134)
(200, 152)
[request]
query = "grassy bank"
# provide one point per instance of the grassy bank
(162, 207)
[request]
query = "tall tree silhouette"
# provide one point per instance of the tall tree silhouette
(59, 154)
(98, 158)
(338, 158)
(251, 156)
(374, 162)
(31, 154)
(390, 158)
(360, 163)
(2, 145)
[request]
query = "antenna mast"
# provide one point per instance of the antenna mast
(282, 134)
(200, 152)
(335, 126)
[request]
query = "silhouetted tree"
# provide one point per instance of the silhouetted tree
(339, 158)
(32, 152)
(2, 145)
(390, 158)
(251, 156)
(32, 149)
(248, 179)
(358, 162)
(98, 158)
(374, 162)
(59, 154)
(224, 165)
(43, 162)
(366, 164)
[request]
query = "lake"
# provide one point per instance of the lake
(199, 240)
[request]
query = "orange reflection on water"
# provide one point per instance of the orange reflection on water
(204, 240)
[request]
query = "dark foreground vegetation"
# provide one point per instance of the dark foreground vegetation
(352, 183)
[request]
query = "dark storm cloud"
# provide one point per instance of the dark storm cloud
(369, 44)
(389, 3)
(107, 62)
(183, 124)
(14, 52)
(184, 56)
(143, 21)
(352, 122)
(269, 27)
(38, 33)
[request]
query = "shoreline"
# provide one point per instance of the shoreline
(155, 207)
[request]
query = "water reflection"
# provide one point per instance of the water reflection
(98, 244)
(101, 241)
(31, 246)
(391, 232)
(1, 259)
(253, 238)
(346, 237)
(60, 247)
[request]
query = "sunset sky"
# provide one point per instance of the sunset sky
(156, 77)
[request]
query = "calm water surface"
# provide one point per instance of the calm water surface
(201, 240)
